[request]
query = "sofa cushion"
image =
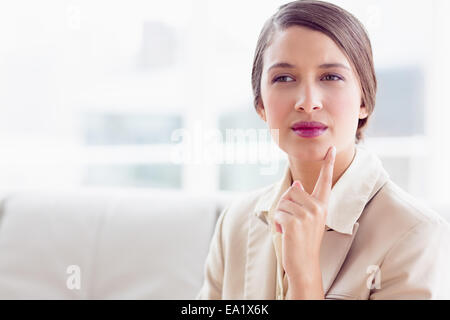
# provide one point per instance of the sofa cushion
(126, 244)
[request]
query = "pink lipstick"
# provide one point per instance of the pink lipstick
(309, 129)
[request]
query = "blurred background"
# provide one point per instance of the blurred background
(95, 93)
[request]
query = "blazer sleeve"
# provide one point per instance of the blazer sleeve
(214, 265)
(417, 265)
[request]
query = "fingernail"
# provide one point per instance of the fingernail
(333, 151)
(298, 185)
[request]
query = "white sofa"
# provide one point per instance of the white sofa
(113, 243)
(104, 243)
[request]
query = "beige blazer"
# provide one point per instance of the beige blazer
(380, 243)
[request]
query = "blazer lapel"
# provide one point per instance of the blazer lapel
(333, 251)
(260, 268)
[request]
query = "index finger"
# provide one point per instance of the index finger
(323, 185)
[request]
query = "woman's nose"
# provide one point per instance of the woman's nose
(308, 100)
(307, 107)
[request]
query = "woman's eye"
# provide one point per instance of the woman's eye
(332, 77)
(328, 77)
(281, 79)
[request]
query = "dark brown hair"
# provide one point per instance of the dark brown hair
(338, 24)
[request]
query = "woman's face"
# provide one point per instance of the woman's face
(311, 89)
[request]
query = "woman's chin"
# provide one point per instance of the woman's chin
(308, 153)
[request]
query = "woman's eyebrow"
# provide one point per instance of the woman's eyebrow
(281, 65)
(322, 66)
(333, 65)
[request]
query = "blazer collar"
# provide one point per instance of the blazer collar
(354, 189)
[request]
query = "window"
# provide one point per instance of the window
(95, 97)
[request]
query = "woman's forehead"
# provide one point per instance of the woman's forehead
(302, 46)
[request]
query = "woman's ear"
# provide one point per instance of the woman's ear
(261, 110)
(363, 112)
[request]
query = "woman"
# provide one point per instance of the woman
(335, 226)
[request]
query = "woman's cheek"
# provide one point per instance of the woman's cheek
(278, 109)
(344, 121)
(341, 104)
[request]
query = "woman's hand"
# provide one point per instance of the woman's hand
(301, 217)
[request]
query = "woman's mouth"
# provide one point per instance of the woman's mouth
(309, 129)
